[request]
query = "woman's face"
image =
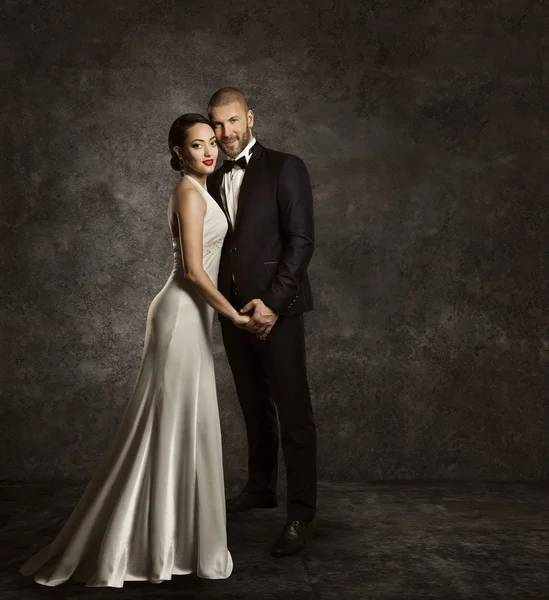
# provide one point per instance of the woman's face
(199, 151)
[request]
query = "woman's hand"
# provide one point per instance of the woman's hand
(241, 320)
(262, 319)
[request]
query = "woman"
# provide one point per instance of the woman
(155, 506)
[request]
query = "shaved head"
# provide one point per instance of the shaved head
(227, 95)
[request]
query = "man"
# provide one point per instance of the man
(267, 198)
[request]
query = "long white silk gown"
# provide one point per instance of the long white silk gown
(155, 506)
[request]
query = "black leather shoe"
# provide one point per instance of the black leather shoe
(247, 501)
(293, 538)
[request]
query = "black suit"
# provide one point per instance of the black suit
(266, 256)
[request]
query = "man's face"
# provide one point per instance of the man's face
(232, 127)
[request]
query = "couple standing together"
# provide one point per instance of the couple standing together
(155, 506)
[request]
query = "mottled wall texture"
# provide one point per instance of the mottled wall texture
(424, 125)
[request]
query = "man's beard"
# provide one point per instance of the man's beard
(243, 143)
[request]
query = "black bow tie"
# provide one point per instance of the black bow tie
(229, 164)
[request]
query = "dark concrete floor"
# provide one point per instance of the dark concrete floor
(391, 541)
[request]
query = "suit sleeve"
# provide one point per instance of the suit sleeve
(295, 210)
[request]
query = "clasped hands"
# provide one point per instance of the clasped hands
(262, 318)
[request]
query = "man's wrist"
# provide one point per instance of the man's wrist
(269, 304)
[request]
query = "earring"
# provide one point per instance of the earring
(181, 166)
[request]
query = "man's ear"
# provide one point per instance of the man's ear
(250, 118)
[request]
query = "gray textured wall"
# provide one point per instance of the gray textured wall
(425, 132)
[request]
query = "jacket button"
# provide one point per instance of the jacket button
(234, 249)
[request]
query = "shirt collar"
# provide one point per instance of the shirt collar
(247, 150)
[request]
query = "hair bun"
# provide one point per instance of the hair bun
(174, 162)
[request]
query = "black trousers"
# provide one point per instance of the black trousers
(271, 377)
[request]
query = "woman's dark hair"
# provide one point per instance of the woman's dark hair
(178, 131)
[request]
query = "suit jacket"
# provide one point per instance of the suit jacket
(272, 242)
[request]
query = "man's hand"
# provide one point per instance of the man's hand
(261, 320)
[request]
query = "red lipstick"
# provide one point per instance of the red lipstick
(208, 162)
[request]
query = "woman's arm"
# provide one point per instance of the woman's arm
(190, 209)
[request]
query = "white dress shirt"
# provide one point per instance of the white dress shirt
(230, 185)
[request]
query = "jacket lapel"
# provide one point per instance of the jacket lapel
(214, 188)
(252, 171)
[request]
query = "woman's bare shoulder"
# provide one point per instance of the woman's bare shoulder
(184, 190)
(184, 193)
